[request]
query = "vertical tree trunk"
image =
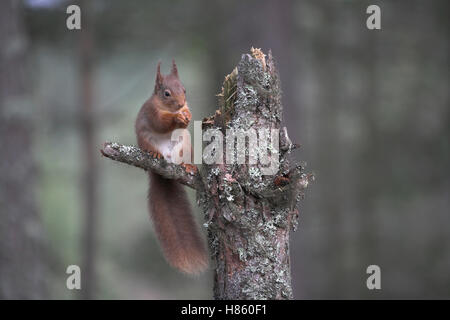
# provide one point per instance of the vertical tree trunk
(90, 178)
(22, 256)
(248, 217)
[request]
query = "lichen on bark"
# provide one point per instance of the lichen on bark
(248, 220)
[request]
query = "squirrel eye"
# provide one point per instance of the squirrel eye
(167, 93)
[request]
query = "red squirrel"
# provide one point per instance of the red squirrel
(170, 210)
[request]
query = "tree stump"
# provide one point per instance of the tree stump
(249, 208)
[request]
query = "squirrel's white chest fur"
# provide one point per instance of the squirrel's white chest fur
(169, 149)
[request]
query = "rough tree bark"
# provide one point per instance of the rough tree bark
(248, 215)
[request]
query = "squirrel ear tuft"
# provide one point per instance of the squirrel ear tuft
(159, 77)
(174, 68)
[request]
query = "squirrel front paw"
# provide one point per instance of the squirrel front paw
(183, 118)
(187, 114)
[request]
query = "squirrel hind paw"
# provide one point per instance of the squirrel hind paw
(190, 168)
(156, 155)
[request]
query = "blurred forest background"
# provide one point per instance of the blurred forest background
(370, 109)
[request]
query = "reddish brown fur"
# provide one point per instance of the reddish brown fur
(169, 207)
(175, 226)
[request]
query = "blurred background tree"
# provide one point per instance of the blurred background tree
(22, 254)
(370, 108)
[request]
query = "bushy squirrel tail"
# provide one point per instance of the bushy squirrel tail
(177, 231)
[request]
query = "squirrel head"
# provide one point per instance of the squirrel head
(169, 89)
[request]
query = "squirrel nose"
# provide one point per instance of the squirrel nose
(180, 106)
